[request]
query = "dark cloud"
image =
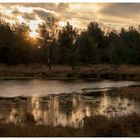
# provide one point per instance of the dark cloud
(49, 6)
(124, 10)
(61, 9)
(78, 13)
(44, 15)
(42, 10)
(16, 12)
(28, 16)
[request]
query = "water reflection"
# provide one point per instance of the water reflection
(52, 112)
(63, 109)
(12, 88)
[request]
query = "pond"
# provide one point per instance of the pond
(62, 103)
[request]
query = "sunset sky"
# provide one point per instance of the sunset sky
(78, 14)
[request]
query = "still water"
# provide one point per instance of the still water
(61, 103)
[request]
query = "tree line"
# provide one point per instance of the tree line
(68, 45)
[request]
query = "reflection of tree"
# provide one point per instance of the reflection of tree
(114, 106)
(78, 111)
(53, 109)
(36, 109)
(53, 114)
(16, 116)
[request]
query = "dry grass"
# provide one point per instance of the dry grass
(93, 126)
(102, 71)
(121, 126)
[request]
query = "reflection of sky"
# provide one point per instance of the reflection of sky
(43, 88)
(69, 110)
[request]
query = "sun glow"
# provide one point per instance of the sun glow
(62, 23)
(20, 19)
(33, 34)
(33, 25)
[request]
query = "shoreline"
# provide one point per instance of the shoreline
(75, 76)
(114, 78)
(64, 72)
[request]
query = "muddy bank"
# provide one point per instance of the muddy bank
(121, 72)
(132, 92)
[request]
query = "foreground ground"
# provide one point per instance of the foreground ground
(103, 71)
(93, 126)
